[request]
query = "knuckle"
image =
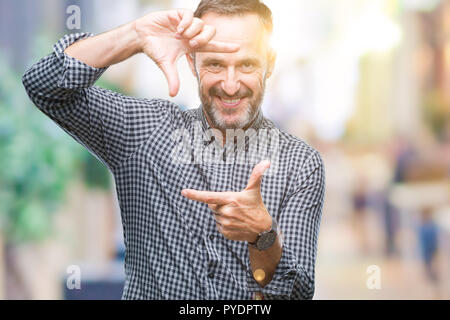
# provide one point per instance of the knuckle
(201, 40)
(235, 201)
(211, 29)
(199, 22)
(227, 211)
(208, 32)
(226, 224)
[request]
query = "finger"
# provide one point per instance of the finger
(216, 213)
(171, 73)
(186, 16)
(231, 225)
(257, 174)
(201, 39)
(219, 46)
(194, 29)
(237, 235)
(218, 220)
(207, 196)
(226, 211)
(215, 208)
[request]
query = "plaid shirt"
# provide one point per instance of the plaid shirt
(173, 247)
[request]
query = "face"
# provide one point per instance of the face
(231, 85)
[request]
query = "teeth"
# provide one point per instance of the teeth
(231, 101)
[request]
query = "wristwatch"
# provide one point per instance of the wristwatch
(266, 238)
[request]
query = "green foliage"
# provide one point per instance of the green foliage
(95, 174)
(37, 161)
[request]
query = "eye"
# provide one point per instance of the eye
(247, 66)
(214, 66)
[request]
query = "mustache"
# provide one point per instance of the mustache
(242, 93)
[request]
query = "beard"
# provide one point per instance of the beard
(216, 113)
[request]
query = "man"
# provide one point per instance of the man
(194, 229)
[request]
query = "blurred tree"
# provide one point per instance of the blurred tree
(38, 160)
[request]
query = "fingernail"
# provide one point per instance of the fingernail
(180, 29)
(183, 192)
(266, 164)
(193, 43)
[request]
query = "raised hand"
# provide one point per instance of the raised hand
(241, 215)
(165, 36)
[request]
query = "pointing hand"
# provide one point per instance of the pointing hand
(239, 215)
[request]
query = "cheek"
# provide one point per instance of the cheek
(255, 85)
(207, 81)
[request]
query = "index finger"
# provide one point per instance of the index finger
(208, 197)
(186, 17)
(219, 46)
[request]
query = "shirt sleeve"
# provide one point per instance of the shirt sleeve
(299, 223)
(110, 125)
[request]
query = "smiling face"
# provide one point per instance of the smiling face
(231, 85)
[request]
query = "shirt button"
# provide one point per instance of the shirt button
(211, 237)
(211, 275)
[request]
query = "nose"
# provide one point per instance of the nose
(231, 84)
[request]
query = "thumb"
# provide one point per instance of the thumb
(171, 73)
(257, 174)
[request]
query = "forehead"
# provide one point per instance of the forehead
(247, 30)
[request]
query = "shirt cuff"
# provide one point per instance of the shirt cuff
(76, 74)
(288, 278)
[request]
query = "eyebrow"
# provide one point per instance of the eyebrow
(253, 61)
(208, 61)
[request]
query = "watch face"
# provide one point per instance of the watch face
(266, 240)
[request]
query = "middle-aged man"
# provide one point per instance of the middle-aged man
(195, 226)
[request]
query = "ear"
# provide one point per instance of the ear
(191, 63)
(272, 56)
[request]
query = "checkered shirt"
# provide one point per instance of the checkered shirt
(173, 247)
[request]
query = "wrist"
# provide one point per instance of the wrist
(132, 36)
(266, 222)
(266, 238)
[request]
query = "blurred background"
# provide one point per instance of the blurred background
(366, 82)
